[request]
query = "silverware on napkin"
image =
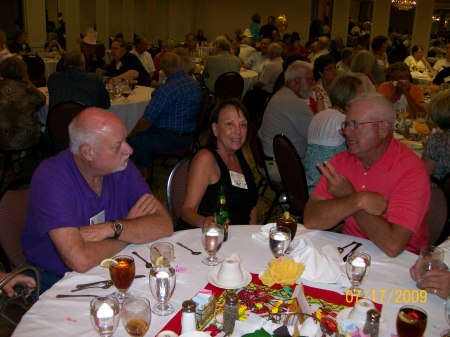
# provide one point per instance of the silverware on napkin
(359, 244)
(86, 285)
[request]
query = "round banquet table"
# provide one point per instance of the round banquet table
(129, 111)
(50, 66)
(250, 78)
(70, 316)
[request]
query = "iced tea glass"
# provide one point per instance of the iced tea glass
(122, 275)
(411, 321)
(136, 315)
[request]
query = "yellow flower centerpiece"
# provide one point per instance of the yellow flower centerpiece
(283, 271)
(422, 129)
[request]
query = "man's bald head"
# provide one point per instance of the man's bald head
(170, 63)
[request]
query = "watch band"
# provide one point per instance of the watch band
(117, 227)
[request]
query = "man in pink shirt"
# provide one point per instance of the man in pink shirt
(378, 187)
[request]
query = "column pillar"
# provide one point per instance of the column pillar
(422, 24)
(72, 18)
(380, 17)
(102, 20)
(341, 16)
(35, 25)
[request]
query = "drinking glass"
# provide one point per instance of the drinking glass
(122, 275)
(162, 253)
(212, 238)
(136, 316)
(279, 240)
(162, 284)
(105, 315)
(430, 257)
(356, 268)
(411, 321)
(126, 90)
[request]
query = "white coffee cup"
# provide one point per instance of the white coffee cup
(230, 272)
(359, 312)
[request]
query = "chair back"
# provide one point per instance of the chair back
(36, 70)
(58, 120)
(176, 188)
(292, 173)
(438, 217)
(200, 79)
(229, 85)
(202, 120)
(258, 154)
(13, 210)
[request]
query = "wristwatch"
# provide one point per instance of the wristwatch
(117, 227)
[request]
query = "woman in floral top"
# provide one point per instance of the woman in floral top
(436, 153)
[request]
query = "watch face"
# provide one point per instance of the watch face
(118, 227)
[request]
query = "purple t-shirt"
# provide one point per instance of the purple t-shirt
(60, 197)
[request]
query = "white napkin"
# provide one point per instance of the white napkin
(263, 235)
(321, 265)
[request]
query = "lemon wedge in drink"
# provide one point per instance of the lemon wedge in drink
(160, 261)
(108, 263)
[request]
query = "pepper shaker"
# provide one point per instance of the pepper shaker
(230, 313)
(372, 325)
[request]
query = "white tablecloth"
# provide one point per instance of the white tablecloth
(250, 78)
(70, 317)
(50, 66)
(129, 112)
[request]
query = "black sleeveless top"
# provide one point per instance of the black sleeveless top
(240, 201)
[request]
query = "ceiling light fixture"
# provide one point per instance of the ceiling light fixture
(404, 5)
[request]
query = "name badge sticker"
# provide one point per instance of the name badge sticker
(238, 180)
(98, 218)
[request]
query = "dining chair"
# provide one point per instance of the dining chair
(36, 69)
(13, 209)
(292, 173)
(15, 157)
(176, 188)
(265, 181)
(439, 212)
(229, 85)
(58, 120)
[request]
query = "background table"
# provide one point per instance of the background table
(70, 317)
(128, 111)
(50, 66)
(250, 78)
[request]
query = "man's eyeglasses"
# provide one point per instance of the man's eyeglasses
(353, 125)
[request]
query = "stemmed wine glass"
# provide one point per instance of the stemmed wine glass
(162, 284)
(212, 238)
(136, 316)
(105, 315)
(446, 333)
(356, 268)
(122, 275)
(411, 321)
(126, 90)
(279, 240)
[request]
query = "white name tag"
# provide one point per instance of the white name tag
(238, 180)
(98, 218)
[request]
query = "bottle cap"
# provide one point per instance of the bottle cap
(188, 306)
(231, 299)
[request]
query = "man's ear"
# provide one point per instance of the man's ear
(86, 152)
(384, 128)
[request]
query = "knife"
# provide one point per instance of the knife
(84, 285)
(359, 244)
(64, 296)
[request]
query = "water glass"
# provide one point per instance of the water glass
(356, 268)
(104, 314)
(279, 240)
(430, 258)
(162, 283)
(212, 239)
(136, 315)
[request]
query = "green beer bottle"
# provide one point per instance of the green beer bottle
(221, 217)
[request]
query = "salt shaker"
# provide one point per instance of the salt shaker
(188, 322)
(230, 313)
(372, 325)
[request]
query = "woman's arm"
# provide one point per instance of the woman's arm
(203, 171)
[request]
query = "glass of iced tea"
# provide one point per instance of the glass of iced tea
(411, 321)
(136, 315)
(289, 221)
(122, 274)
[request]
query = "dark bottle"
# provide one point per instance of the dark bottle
(221, 217)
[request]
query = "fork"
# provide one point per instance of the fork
(341, 249)
(107, 285)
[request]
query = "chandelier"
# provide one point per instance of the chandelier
(404, 5)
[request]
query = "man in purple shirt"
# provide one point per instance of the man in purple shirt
(88, 202)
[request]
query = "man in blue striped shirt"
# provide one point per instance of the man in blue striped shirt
(170, 119)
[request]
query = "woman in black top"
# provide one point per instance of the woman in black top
(222, 163)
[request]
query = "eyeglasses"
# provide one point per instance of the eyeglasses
(353, 125)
